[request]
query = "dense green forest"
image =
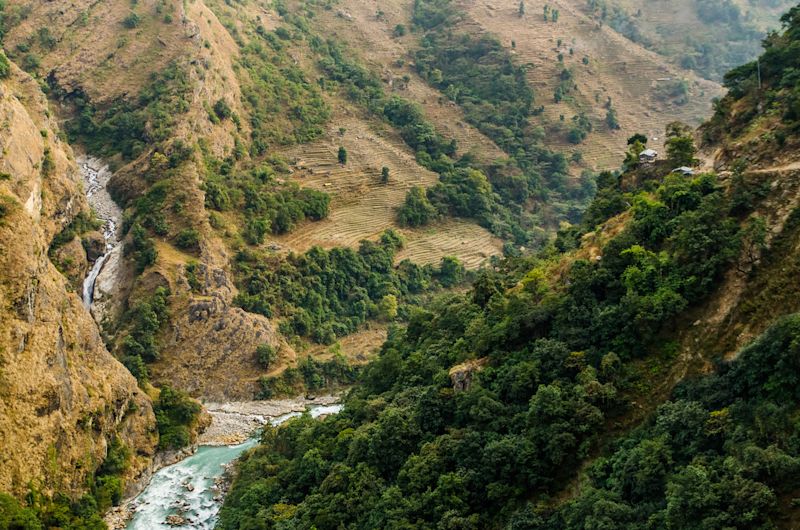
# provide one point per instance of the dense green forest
(723, 453)
(557, 353)
(482, 409)
(327, 294)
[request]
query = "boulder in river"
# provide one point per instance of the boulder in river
(175, 520)
(95, 245)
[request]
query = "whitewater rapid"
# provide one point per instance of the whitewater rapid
(96, 174)
(190, 489)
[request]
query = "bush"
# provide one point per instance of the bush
(131, 21)
(417, 209)
(188, 239)
(13, 516)
(145, 319)
(143, 249)
(265, 355)
(5, 66)
(222, 109)
(175, 412)
(31, 62)
(80, 224)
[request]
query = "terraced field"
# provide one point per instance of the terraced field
(362, 207)
(452, 237)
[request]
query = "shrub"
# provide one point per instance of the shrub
(265, 355)
(175, 412)
(5, 66)
(188, 239)
(417, 209)
(142, 247)
(31, 62)
(48, 163)
(222, 109)
(132, 21)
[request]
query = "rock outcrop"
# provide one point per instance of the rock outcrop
(462, 375)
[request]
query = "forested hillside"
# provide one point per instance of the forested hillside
(572, 389)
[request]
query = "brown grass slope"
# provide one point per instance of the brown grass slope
(208, 345)
(63, 397)
(95, 53)
(618, 69)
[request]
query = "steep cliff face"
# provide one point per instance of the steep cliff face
(63, 397)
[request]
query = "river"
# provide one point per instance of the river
(189, 488)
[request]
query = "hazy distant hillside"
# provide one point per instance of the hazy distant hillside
(707, 36)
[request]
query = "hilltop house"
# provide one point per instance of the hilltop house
(648, 156)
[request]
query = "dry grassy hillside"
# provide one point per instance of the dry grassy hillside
(638, 82)
(362, 207)
(63, 397)
(85, 45)
(369, 32)
(98, 55)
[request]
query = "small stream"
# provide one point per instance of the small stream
(96, 175)
(189, 488)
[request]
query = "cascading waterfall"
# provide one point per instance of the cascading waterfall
(186, 495)
(96, 175)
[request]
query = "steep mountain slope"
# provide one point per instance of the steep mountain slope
(64, 399)
(135, 82)
(141, 84)
(645, 90)
(602, 383)
(606, 71)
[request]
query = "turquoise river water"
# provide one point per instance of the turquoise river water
(188, 487)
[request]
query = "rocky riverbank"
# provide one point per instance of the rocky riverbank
(233, 422)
